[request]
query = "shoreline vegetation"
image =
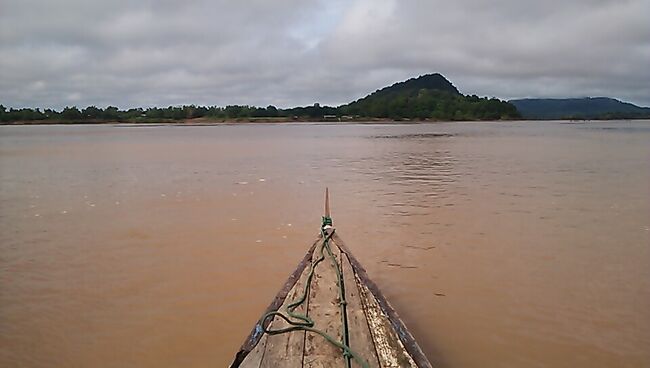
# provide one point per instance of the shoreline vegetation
(205, 121)
(428, 98)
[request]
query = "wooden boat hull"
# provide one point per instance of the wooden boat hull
(374, 330)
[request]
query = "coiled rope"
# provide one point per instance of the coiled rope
(302, 322)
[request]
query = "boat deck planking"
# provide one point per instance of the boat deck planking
(375, 331)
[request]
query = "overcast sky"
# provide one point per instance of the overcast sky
(55, 53)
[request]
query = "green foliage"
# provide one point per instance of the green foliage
(21, 114)
(427, 104)
(314, 111)
(430, 104)
(151, 114)
(71, 113)
(429, 96)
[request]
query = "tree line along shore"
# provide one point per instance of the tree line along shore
(428, 97)
(241, 113)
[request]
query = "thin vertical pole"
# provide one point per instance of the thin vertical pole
(327, 202)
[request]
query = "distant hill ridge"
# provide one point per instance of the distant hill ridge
(579, 108)
(427, 97)
(428, 81)
(430, 96)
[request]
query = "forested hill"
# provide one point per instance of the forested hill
(579, 108)
(429, 96)
(428, 81)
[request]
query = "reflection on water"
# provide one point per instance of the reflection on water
(412, 137)
(500, 244)
(416, 182)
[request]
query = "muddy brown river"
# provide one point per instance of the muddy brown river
(522, 244)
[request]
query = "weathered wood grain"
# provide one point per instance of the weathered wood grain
(390, 350)
(256, 333)
(254, 358)
(360, 338)
(325, 310)
(375, 330)
(385, 309)
(287, 349)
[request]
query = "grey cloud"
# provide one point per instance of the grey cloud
(292, 52)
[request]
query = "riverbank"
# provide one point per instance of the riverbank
(193, 121)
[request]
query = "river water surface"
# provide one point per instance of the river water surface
(520, 244)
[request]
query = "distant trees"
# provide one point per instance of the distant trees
(429, 104)
(112, 113)
(420, 105)
(427, 97)
(272, 111)
(71, 113)
(92, 112)
(24, 114)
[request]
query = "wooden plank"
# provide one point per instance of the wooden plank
(254, 358)
(325, 310)
(257, 332)
(360, 339)
(388, 332)
(287, 349)
(390, 350)
(374, 298)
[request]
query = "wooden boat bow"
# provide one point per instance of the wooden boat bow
(360, 319)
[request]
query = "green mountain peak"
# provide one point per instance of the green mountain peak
(429, 96)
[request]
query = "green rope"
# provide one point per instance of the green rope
(302, 322)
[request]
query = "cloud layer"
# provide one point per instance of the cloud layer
(297, 52)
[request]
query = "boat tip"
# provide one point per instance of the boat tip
(327, 202)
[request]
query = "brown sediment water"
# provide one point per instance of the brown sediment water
(499, 244)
